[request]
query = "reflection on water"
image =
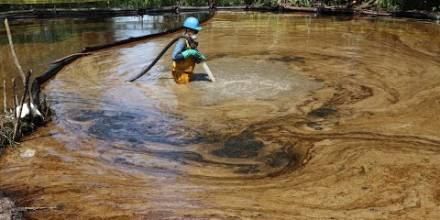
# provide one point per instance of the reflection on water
(309, 118)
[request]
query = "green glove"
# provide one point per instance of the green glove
(199, 57)
(193, 53)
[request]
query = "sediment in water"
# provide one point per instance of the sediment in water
(297, 127)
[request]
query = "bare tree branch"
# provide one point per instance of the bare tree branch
(23, 98)
(14, 94)
(14, 55)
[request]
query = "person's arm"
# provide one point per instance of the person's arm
(178, 49)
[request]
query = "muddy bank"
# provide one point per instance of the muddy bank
(297, 127)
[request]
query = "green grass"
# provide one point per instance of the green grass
(6, 130)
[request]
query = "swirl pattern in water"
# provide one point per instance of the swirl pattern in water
(326, 118)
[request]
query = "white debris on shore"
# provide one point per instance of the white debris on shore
(26, 111)
(28, 153)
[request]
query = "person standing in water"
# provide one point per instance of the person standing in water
(185, 54)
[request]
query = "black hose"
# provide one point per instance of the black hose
(144, 71)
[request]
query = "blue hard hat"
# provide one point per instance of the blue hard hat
(192, 23)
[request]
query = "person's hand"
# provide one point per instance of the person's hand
(199, 57)
(189, 53)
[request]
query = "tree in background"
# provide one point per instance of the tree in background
(212, 4)
(431, 5)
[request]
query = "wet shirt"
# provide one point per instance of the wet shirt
(178, 49)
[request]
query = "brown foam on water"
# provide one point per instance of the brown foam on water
(310, 118)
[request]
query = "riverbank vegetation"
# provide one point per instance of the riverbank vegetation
(23, 117)
(389, 5)
(27, 110)
(385, 5)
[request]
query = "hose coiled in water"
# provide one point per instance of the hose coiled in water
(164, 50)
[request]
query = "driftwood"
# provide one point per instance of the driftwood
(22, 209)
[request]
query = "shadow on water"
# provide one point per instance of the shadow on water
(116, 126)
(244, 146)
(200, 77)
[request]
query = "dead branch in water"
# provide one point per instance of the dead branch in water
(12, 127)
(30, 107)
(14, 55)
(22, 209)
(23, 98)
(15, 98)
